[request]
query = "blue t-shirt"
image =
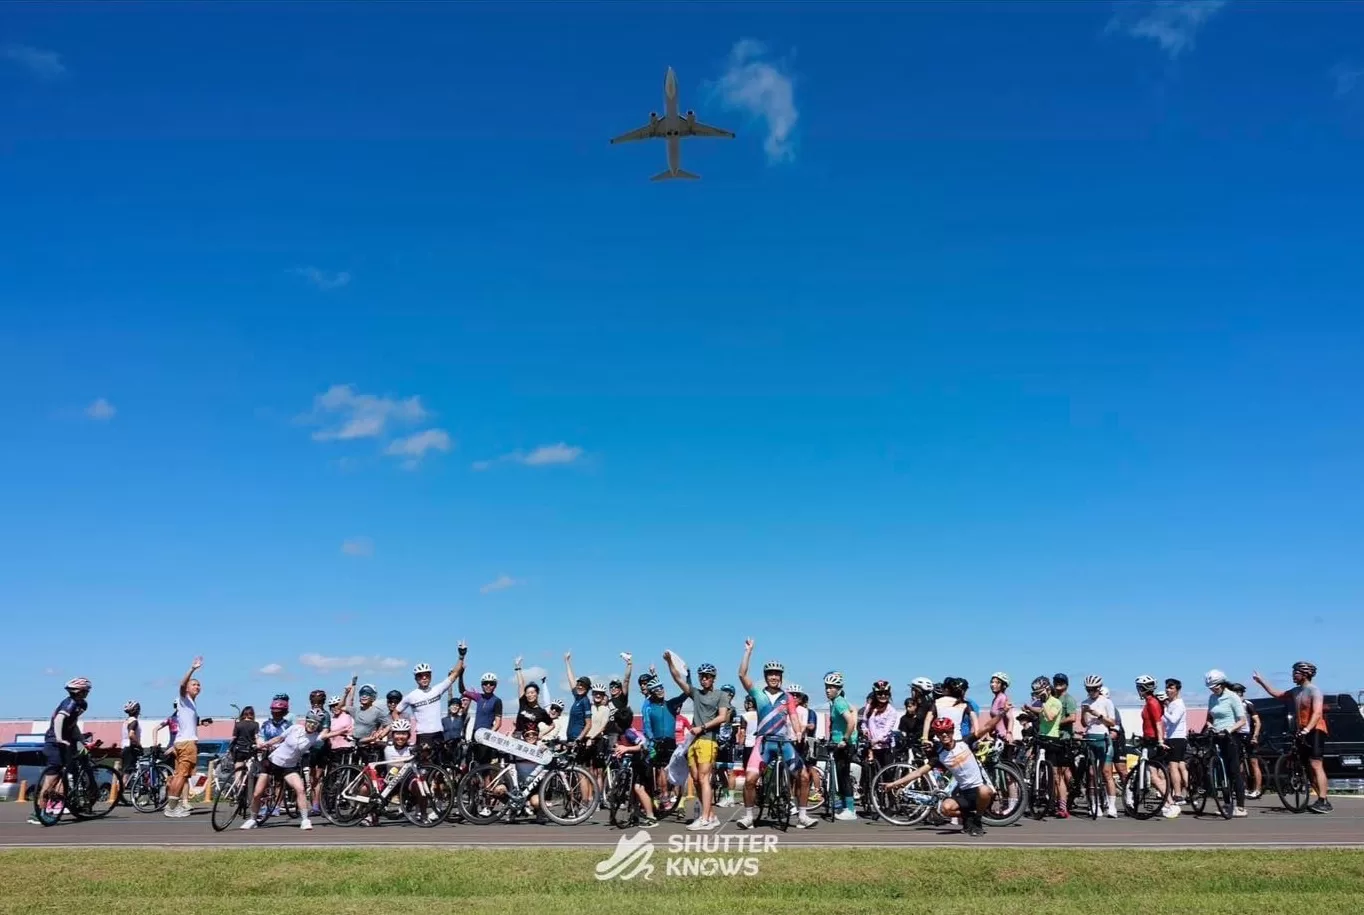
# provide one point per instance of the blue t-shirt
(578, 714)
(1223, 710)
(486, 709)
(71, 729)
(660, 718)
(269, 730)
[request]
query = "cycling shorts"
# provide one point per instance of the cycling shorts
(269, 768)
(1179, 748)
(1101, 746)
(663, 751)
(55, 756)
(767, 752)
(1313, 745)
(702, 752)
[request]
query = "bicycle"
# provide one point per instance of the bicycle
(1089, 775)
(1293, 777)
(145, 786)
(775, 798)
(1208, 776)
(1147, 789)
(1011, 797)
(352, 794)
(621, 793)
(1042, 797)
(567, 792)
(234, 800)
(85, 789)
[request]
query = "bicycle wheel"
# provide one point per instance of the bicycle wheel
(782, 805)
(93, 791)
(1214, 780)
(47, 816)
(1147, 790)
(1291, 782)
(618, 798)
(1042, 797)
(148, 788)
(340, 788)
(475, 798)
(892, 805)
(228, 804)
(569, 796)
(1011, 795)
(426, 795)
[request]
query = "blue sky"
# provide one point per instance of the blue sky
(335, 334)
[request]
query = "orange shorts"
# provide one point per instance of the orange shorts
(186, 758)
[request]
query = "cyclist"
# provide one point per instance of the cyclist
(530, 715)
(424, 705)
(371, 721)
(659, 719)
(487, 710)
(559, 729)
(131, 738)
(919, 710)
(245, 731)
(778, 716)
(397, 756)
(999, 687)
(1249, 735)
(631, 743)
(711, 710)
(1226, 714)
(579, 713)
(284, 762)
(1176, 719)
(620, 688)
(393, 698)
(1153, 732)
(62, 737)
(842, 744)
(1119, 735)
(186, 750)
(1099, 717)
(594, 735)
(878, 730)
(972, 793)
(1310, 706)
(725, 753)
(1070, 719)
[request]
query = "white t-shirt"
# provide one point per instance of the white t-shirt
(750, 728)
(1099, 706)
(297, 741)
(600, 718)
(124, 740)
(187, 717)
(951, 708)
(962, 763)
(1176, 720)
(425, 707)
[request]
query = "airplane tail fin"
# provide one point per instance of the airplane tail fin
(668, 176)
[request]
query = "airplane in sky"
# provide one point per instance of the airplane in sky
(672, 127)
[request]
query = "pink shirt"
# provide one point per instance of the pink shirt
(343, 726)
(997, 708)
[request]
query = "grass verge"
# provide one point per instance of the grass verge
(792, 882)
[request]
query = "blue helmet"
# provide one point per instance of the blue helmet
(705, 670)
(728, 688)
(369, 689)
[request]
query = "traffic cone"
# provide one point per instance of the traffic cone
(10, 787)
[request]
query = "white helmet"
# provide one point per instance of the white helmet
(796, 688)
(1001, 676)
(1093, 681)
(1213, 678)
(774, 667)
(833, 678)
(1146, 681)
(130, 705)
(335, 700)
(420, 669)
(922, 683)
(598, 686)
(401, 726)
(488, 677)
(1103, 691)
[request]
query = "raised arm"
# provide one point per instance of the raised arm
(189, 675)
(629, 669)
(568, 666)
(743, 666)
(520, 677)
(350, 691)
(1267, 687)
(677, 674)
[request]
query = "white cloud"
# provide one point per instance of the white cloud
(353, 663)
(359, 415)
(323, 279)
(501, 583)
(1172, 24)
(414, 447)
(101, 410)
(543, 456)
(51, 672)
(358, 546)
(1348, 78)
(42, 64)
(763, 89)
(271, 670)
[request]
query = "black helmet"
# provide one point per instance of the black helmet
(394, 696)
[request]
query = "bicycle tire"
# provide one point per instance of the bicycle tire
(1220, 791)
(1291, 782)
(1141, 798)
(40, 811)
(570, 781)
(336, 807)
(1010, 784)
(227, 805)
(1042, 798)
(471, 796)
(891, 806)
(150, 788)
(92, 790)
(438, 795)
(618, 797)
(783, 803)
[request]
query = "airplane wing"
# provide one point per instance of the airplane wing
(697, 129)
(646, 132)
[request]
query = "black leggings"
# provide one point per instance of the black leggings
(1231, 757)
(842, 757)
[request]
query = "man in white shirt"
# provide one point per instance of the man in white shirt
(185, 753)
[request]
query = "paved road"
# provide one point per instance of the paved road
(1268, 826)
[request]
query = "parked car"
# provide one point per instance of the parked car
(1344, 756)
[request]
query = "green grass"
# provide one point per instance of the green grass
(793, 882)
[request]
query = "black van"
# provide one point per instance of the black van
(1344, 756)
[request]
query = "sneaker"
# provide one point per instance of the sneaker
(1240, 812)
(1321, 806)
(696, 825)
(713, 822)
(183, 811)
(650, 822)
(804, 822)
(33, 820)
(1062, 813)
(1254, 795)
(170, 810)
(1111, 811)
(745, 821)
(305, 823)
(432, 816)
(846, 816)
(725, 801)
(249, 824)
(1170, 811)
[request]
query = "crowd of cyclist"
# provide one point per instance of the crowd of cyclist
(938, 727)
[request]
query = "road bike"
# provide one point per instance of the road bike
(1293, 777)
(623, 806)
(234, 799)
(1042, 794)
(775, 799)
(1208, 776)
(1147, 789)
(145, 786)
(85, 789)
(567, 792)
(353, 794)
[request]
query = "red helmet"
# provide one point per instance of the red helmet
(279, 705)
(943, 726)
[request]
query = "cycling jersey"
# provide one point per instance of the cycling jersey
(131, 734)
(1151, 714)
(1069, 706)
(486, 709)
(838, 725)
(1302, 697)
(1100, 705)
(997, 706)
(879, 725)
(343, 728)
(660, 718)
(425, 706)
(578, 714)
(297, 742)
(71, 729)
(270, 728)
(776, 711)
(244, 736)
(962, 763)
(1049, 706)
(1223, 710)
